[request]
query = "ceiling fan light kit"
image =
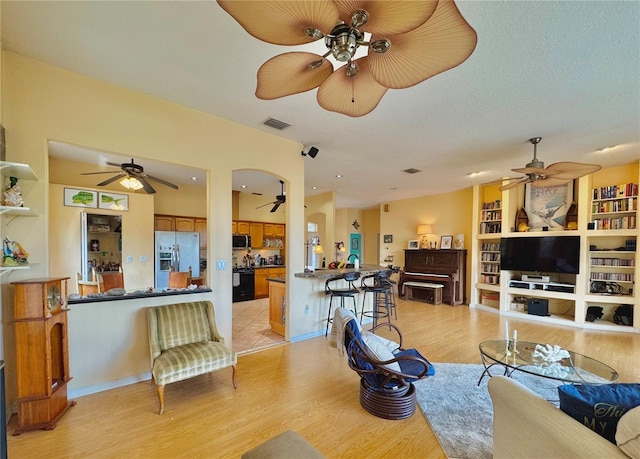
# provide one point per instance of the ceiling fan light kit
(555, 174)
(407, 42)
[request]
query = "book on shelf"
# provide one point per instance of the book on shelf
(616, 191)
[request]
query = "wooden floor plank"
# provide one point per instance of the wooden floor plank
(305, 386)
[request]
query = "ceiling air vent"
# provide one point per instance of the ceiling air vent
(276, 124)
(412, 171)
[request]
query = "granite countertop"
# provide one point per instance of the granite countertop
(269, 266)
(135, 295)
(327, 273)
(280, 280)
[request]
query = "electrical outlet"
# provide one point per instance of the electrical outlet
(143, 258)
(306, 309)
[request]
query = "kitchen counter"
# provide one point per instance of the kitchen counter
(320, 273)
(135, 295)
(280, 280)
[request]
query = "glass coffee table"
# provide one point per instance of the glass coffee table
(519, 356)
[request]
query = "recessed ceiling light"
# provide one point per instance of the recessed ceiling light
(473, 174)
(243, 186)
(314, 187)
(194, 178)
(339, 176)
(605, 149)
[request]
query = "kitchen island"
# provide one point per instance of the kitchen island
(277, 304)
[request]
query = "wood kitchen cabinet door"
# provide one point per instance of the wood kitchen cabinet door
(200, 226)
(243, 228)
(164, 223)
(269, 230)
(261, 286)
(185, 224)
(276, 307)
(257, 235)
(278, 230)
(234, 227)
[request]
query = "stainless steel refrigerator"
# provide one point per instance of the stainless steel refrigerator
(177, 250)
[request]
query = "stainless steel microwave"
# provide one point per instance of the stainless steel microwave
(241, 242)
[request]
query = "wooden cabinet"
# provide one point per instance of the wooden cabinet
(185, 224)
(278, 230)
(256, 232)
(273, 230)
(243, 228)
(261, 286)
(164, 223)
(234, 227)
(277, 307)
(42, 352)
(200, 226)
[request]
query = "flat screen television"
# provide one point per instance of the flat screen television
(544, 254)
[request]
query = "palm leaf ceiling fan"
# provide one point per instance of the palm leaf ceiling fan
(407, 42)
(132, 176)
(554, 174)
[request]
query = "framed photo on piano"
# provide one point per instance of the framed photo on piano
(414, 244)
(445, 242)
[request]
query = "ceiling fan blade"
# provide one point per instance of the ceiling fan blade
(550, 181)
(145, 184)
(289, 73)
(445, 41)
(112, 179)
(352, 96)
(275, 207)
(267, 204)
(103, 172)
(570, 170)
(388, 17)
(282, 22)
(514, 184)
(159, 180)
(115, 164)
(535, 170)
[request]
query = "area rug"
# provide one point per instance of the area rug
(460, 412)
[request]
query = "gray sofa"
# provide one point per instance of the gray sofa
(527, 426)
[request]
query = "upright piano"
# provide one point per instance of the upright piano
(446, 267)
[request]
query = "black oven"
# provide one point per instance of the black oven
(243, 284)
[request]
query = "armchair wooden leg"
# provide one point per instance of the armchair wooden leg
(161, 398)
(233, 378)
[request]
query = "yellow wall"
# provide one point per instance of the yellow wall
(137, 225)
(42, 102)
(371, 232)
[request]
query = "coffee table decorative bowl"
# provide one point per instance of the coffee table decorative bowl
(545, 361)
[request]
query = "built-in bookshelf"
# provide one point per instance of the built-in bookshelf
(614, 207)
(490, 263)
(491, 218)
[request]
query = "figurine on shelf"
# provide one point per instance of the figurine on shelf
(13, 254)
(12, 196)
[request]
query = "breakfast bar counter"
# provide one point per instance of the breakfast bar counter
(324, 274)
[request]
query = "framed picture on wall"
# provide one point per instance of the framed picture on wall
(445, 242)
(80, 198)
(388, 238)
(547, 206)
(113, 201)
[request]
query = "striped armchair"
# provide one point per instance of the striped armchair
(184, 342)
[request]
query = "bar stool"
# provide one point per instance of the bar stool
(350, 291)
(378, 285)
(385, 277)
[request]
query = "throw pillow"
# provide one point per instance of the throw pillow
(380, 351)
(628, 433)
(599, 407)
(391, 345)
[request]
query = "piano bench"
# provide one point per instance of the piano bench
(422, 291)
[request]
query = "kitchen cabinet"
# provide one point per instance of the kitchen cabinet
(273, 230)
(277, 306)
(261, 286)
(200, 226)
(278, 230)
(234, 227)
(256, 232)
(243, 228)
(164, 223)
(185, 224)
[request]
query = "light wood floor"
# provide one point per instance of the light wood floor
(305, 386)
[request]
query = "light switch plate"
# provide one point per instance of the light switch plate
(143, 258)
(129, 259)
(221, 265)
